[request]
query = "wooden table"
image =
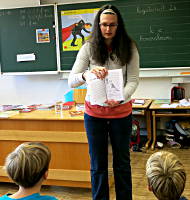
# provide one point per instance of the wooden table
(63, 134)
(144, 111)
(158, 111)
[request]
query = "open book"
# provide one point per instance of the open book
(110, 88)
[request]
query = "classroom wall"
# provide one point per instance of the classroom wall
(32, 89)
(50, 88)
(18, 3)
(67, 1)
(29, 89)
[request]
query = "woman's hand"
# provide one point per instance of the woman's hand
(112, 103)
(100, 72)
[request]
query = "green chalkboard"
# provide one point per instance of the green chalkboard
(160, 28)
(18, 36)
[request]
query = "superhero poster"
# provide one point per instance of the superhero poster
(76, 27)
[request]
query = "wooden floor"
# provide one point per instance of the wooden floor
(140, 192)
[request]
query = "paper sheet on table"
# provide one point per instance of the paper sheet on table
(184, 102)
(139, 101)
(173, 105)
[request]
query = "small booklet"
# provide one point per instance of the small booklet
(110, 88)
(138, 102)
(9, 113)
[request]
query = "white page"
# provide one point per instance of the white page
(114, 85)
(97, 90)
(109, 88)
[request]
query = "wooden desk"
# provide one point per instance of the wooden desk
(158, 111)
(64, 135)
(144, 111)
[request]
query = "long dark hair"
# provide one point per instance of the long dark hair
(121, 44)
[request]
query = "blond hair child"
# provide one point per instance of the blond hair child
(27, 166)
(166, 176)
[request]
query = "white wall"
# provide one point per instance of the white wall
(48, 88)
(154, 88)
(32, 89)
(67, 1)
(18, 3)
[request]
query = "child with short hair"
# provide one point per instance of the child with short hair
(166, 176)
(28, 167)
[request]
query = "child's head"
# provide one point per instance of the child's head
(28, 163)
(166, 175)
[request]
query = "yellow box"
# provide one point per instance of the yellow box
(79, 95)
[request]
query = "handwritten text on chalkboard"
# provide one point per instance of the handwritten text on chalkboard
(32, 17)
(157, 8)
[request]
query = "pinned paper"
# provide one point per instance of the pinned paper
(26, 57)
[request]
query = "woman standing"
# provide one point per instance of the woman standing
(109, 47)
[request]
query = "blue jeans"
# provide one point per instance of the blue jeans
(119, 130)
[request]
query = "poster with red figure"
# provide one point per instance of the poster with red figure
(76, 27)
